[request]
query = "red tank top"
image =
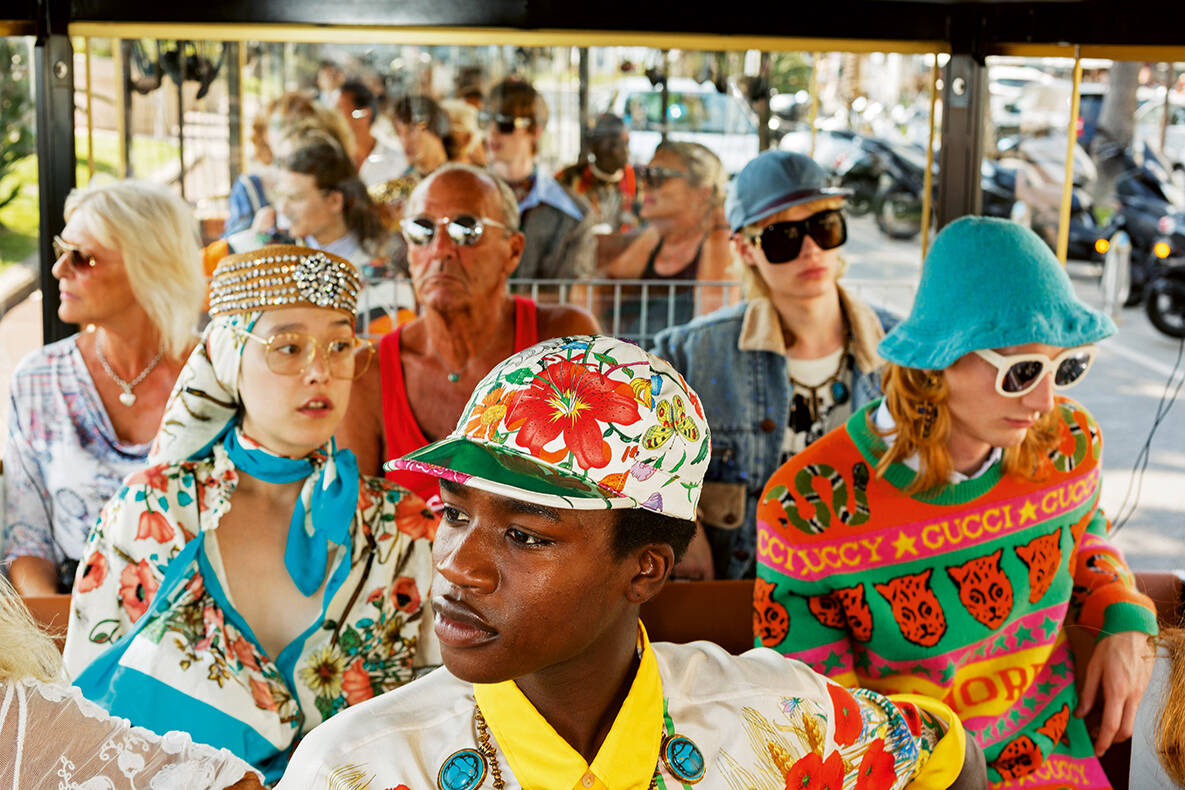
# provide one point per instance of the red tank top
(401, 432)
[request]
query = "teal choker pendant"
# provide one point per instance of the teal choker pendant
(454, 377)
(463, 770)
(682, 758)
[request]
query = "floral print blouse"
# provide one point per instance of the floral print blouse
(62, 460)
(190, 661)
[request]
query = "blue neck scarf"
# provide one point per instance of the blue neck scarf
(332, 505)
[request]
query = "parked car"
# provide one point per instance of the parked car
(697, 113)
(1149, 118)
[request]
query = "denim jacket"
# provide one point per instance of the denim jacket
(735, 360)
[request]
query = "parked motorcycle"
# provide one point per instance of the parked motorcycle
(1164, 293)
(898, 202)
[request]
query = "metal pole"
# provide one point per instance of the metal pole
(1164, 117)
(763, 113)
(90, 113)
(1063, 223)
(665, 99)
(53, 59)
(181, 119)
(929, 177)
(244, 157)
(123, 107)
(964, 104)
(234, 94)
(583, 100)
(814, 90)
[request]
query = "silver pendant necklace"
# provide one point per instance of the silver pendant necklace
(127, 397)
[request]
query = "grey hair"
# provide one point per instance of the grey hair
(510, 215)
(703, 166)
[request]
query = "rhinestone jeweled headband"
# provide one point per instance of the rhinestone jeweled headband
(283, 276)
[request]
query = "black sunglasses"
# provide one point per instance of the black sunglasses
(506, 124)
(463, 230)
(782, 241)
(655, 177)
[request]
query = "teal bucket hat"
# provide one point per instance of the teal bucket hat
(990, 283)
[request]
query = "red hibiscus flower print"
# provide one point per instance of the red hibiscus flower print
(399, 787)
(415, 519)
(94, 573)
(153, 477)
(155, 526)
(571, 400)
(876, 768)
(262, 695)
(405, 595)
(812, 772)
(137, 585)
(356, 683)
(245, 653)
(487, 415)
(848, 721)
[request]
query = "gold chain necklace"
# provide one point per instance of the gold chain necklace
(490, 753)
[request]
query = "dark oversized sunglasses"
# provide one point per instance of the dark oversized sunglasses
(1019, 374)
(506, 124)
(782, 241)
(655, 177)
(82, 262)
(463, 230)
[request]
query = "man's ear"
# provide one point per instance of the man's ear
(653, 564)
(337, 201)
(517, 241)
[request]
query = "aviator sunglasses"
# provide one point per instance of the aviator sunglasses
(1019, 374)
(81, 262)
(782, 241)
(463, 230)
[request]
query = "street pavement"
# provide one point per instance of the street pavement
(1122, 391)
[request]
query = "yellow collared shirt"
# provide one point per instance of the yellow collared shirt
(542, 760)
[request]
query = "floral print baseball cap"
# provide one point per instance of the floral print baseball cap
(580, 423)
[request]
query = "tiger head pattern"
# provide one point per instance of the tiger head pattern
(856, 611)
(984, 589)
(1042, 556)
(915, 608)
(771, 621)
(1019, 758)
(1054, 727)
(827, 610)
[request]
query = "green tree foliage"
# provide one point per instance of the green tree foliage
(16, 111)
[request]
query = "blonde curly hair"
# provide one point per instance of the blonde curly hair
(910, 394)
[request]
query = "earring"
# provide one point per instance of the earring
(927, 413)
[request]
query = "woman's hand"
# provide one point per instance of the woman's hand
(1121, 667)
(265, 220)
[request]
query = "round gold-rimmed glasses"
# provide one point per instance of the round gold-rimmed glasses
(291, 353)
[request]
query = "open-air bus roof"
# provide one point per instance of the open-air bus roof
(967, 31)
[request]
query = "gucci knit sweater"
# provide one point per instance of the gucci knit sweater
(964, 595)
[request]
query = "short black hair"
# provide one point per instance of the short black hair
(361, 97)
(636, 527)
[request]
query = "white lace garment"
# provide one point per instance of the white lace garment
(53, 739)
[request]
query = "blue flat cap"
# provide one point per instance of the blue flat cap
(773, 181)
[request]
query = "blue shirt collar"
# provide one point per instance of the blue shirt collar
(548, 190)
